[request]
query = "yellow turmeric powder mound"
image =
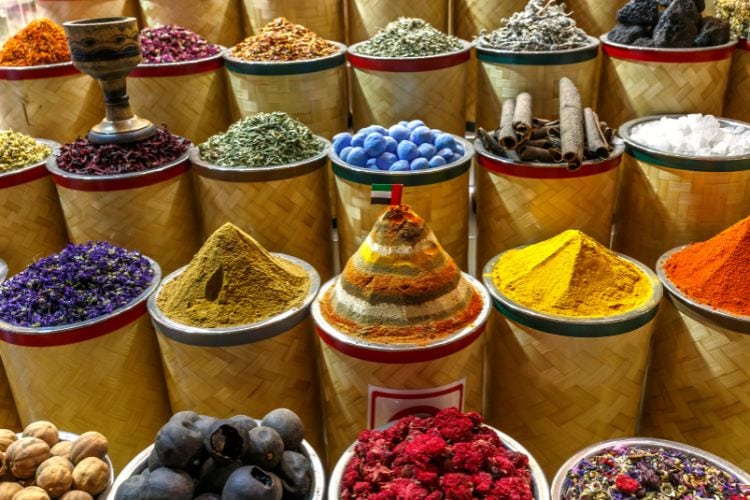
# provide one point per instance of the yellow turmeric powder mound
(232, 281)
(571, 275)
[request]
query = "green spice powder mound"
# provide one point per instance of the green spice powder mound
(232, 281)
(409, 37)
(18, 150)
(261, 140)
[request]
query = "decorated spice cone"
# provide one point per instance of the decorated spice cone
(218, 21)
(667, 199)
(440, 195)
(514, 207)
(62, 11)
(101, 374)
(505, 74)
(152, 211)
(737, 105)
(31, 219)
(190, 97)
(54, 101)
(431, 88)
(593, 16)
(366, 17)
(285, 207)
(239, 370)
(642, 81)
(324, 17)
(569, 381)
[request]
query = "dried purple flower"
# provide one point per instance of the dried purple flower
(79, 283)
(172, 43)
(83, 157)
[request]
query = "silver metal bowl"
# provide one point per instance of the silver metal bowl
(3, 270)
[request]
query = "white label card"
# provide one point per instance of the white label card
(386, 405)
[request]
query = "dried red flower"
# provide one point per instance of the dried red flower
(627, 484)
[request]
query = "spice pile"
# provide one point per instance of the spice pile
(542, 26)
(262, 140)
(644, 23)
(232, 281)
(576, 137)
(196, 456)
(450, 455)
(737, 12)
(714, 272)
(18, 150)
(695, 135)
(281, 40)
(409, 37)
(85, 158)
(39, 466)
(40, 42)
(401, 287)
(79, 283)
(571, 274)
(171, 43)
(404, 147)
(628, 472)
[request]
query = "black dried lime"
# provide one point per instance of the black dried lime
(296, 473)
(153, 460)
(213, 475)
(288, 425)
(265, 448)
(208, 496)
(252, 483)
(244, 422)
(226, 441)
(168, 484)
(131, 489)
(178, 443)
(205, 423)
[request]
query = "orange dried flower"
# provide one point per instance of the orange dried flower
(41, 42)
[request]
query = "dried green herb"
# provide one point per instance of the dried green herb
(737, 12)
(18, 150)
(261, 140)
(543, 26)
(409, 37)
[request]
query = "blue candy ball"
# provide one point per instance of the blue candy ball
(404, 123)
(445, 141)
(456, 157)
(344, 154)
(421, 135)
(378, 129)
(419, 164)
(374, 145)
(459, 149)
(437, 161)
(400, 166)
(407, 151)
(399, 133)
(414, 124)
(357, 157)
(385, 161)
(358, 140)
(446, 153)
(372, 163)
(391, 144)
(340, 141)
(426, 150)
(435, 134)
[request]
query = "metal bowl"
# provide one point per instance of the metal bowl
(3, 270)
(558, 483)
(696, 310)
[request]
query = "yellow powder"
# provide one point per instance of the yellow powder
(571, 275)
(231, 281)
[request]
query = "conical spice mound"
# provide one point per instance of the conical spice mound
(401, 287)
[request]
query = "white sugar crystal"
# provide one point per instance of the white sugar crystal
(693, 134)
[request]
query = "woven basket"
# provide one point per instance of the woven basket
(523, 203)
(55, 101)
(286, 207)
(638, 81)
(31, 220)
(8, 413)
(667, 200)
(504, 74)
(61, 11)
(433, 89)
(559, 383)
(594, 16)
(366, 17)
(218, 21)
(440, 196)
(737, 105)
(190, 97)
(367, 385)
(249, 369)
(153, 211)
(324, 17)
(699, 377)
(101, 374)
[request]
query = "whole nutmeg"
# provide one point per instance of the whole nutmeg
(8, 489)
(25, 455)
(89, 444)
(6, 437)
(62, 449)
(91, 475)
(31, 493)
(76, 495)
(46, 431)
(55, 476)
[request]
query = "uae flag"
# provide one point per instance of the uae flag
(386, 194)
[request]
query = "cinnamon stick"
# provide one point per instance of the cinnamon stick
(531, 153)
(506, 134)
(489, 142)
(522, 115)
(571, 124)
(596, 145)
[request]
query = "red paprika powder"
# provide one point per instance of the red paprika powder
(716, 272)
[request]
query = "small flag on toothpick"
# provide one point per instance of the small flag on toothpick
(386, 194)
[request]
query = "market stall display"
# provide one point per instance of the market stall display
(220, 21)
(325, 17)
(366, 17)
